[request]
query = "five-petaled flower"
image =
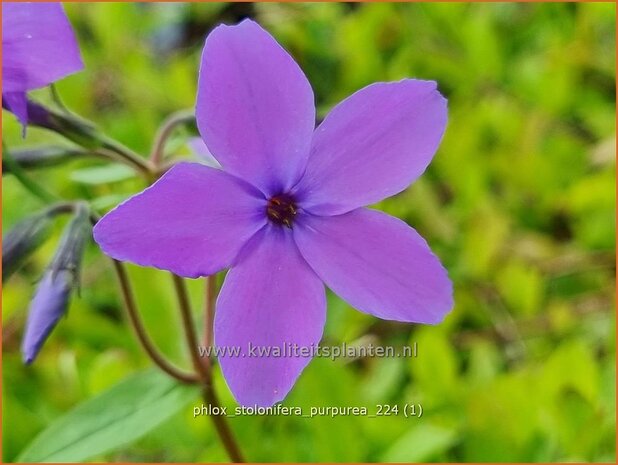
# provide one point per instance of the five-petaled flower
(38, 48)
(287, 210)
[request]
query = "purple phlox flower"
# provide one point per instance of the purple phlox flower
(287, 210)
(38, 48)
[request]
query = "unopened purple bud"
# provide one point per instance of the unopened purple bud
(53, 293)
(50, 302)
(70, 126)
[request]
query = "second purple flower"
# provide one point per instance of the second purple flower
(39, 48)
(287, 210)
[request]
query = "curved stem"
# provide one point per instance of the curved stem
(62, 207)
(222, 427)
(204, 369)
(55, 95)
(47, 156)
(165, 131)
(209, 309)
(191, 337)
(84, 133)
(24, 179)
(133, 158)
(138, 326)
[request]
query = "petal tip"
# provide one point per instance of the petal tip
(243, 24)
(28, 358)
(441, 314)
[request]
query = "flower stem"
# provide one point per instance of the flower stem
(222, 427)
(55, 95)
(47, 156)
(17, 171)
(84, 133)
(127, 154)
(209, 309)
(187, 323)
(204, 369)
(165, 131)
(62, 207)
(138, 326)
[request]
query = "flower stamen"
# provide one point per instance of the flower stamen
(281, 209)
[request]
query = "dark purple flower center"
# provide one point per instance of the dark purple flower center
(281, 209)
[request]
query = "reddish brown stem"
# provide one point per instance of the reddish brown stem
(202, 366)
(209, 309)
(140, 331)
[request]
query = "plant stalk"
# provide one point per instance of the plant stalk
(209, 309)
(179, 118)
(17, 171)
(142, 335)
(84, 133)
(202, 366)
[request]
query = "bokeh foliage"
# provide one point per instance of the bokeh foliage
(519, 203)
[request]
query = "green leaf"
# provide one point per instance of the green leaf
(572, 366)
(102, 174)
(521, 286)
(421, 444)
(108, 201)
(113, 419)
(435, 371)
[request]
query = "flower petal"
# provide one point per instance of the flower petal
(255, 107)
(17, 103)
(38, 45)
(199, 149)
(372, 145)
(193, 222)
(378, 264)
(270, 298)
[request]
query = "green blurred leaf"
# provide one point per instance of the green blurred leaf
(421, 444)
(115, 418)
(435, 368)
(108, 201)
(102, 174)
(572, 366)
(521, 286)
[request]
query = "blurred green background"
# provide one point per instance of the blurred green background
(519, 203)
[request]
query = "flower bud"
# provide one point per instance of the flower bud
(22, 240)
(73, 128)
(48, 305)
(53, 293)
(41, 157)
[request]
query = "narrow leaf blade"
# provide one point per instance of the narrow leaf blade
(116, 417)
